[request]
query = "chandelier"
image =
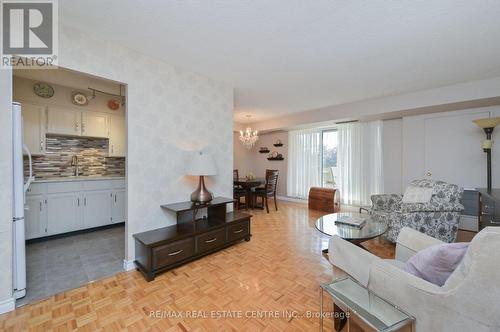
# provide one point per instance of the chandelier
(249, 137)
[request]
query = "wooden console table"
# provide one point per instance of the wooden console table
(191, 238)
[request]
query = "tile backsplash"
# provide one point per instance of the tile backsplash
(92, 158)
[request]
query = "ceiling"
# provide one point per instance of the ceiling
(285, 56)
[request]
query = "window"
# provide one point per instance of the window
(329, 158)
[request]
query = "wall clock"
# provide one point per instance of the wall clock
(43, 90)
(79, 98)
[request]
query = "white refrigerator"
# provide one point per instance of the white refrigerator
(19, 191)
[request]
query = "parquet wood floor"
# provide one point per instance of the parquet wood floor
(279, 270)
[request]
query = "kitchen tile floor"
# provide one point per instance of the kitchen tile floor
(57, 265)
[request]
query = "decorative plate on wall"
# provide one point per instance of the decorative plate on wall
(113, 104)
(79, 98)
(43, 90)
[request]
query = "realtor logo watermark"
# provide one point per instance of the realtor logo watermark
(29, 34)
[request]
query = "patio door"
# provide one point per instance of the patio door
(329, 158)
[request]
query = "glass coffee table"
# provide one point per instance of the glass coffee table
(327, 225)
(355, 304)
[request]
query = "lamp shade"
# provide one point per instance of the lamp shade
(200, 163)
(487, 122)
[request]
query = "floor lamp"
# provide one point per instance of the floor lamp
(488, 124)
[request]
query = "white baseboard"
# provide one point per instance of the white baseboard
(7, 305)
(128, 265)
(290, 199)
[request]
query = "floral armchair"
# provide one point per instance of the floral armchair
(438, 218)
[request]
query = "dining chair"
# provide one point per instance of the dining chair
(268, 190)
(238, 191)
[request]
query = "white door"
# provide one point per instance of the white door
(117, 146)
(33, 128)
(453, 149)
(35, 217)
(63, 121)
(118, 206)
(94, 124)
(96, 208)
(63, 212)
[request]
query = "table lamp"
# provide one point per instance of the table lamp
(488, 124)
(201, 164)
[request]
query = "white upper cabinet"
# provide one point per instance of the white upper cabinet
(70, 121)
(94, 124)
(34, 128)
(63, 121)
(117, 146)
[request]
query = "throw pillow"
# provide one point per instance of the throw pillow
(415, 194)
(436, 263)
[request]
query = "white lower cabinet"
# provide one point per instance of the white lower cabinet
(96, 208)
(35, 215)
(118, 204)
(62, 207)
(63, 212)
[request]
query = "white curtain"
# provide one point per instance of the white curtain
(359, 161)
(304, 161)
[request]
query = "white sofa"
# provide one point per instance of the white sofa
(469, 300)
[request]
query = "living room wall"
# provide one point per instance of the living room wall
(171, 112)
(252, 160)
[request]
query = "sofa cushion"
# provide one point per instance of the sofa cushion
(436, 263)
(414, 194)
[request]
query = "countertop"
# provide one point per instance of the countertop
(78, 178)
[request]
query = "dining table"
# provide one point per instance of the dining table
(248, 185)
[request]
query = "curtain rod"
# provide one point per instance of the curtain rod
(342, 122)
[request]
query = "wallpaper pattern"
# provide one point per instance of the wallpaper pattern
(171, 112)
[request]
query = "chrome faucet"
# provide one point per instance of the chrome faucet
(74, 162)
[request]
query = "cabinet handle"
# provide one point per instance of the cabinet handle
(239, 231)
(115, 198)
(211, 240)
(175, 252)
(40, 206)
(78, 200)
(85, 201)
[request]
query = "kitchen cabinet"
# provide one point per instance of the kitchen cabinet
(33, 128)
(118, 204)
(94, 124)
(63, 212)
(69, 121)
(117, 146)
(96, 208)
(63, 121)
(35, 216)
(67, 206)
